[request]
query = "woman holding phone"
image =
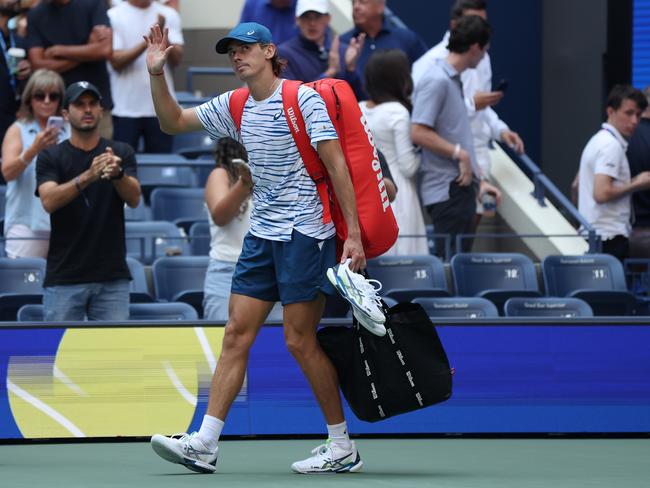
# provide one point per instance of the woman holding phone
(227, 196)
(27, 225)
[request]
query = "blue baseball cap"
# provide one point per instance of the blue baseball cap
(247, 32)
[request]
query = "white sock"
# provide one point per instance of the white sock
(210, 431)
(338, 434)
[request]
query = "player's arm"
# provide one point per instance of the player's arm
(334, 161)
(173, 119)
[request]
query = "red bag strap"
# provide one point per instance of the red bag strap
(310, 158)
(236, 105)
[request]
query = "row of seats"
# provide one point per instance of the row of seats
(496, 278)
(137, 311)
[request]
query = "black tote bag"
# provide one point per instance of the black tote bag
(380, 377)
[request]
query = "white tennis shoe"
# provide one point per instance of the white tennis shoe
(362, 295)
(186, 449)
(330, 458)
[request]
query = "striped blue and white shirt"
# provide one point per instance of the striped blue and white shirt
(284, 196)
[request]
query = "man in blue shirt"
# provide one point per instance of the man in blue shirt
(368, 17)
(277, 15)
(314, 54)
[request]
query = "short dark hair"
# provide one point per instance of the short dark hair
(459, 7)
(469, 30)
(623, 92)
(388, 77)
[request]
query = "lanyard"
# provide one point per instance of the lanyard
(5, 51)
(613, 135)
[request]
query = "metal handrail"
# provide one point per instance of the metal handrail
(203, 70)
(542, 184)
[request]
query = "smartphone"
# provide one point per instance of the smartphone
(502, 86)
(55, 121)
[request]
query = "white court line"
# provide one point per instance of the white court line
(60, 375)
(191, 399)
(205, 345)
(46, 409)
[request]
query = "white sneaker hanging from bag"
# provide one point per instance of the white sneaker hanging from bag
(362, 295)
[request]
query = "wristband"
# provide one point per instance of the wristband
(456, 154)
(21, 158)
(77, 185)
(157, 74)
(119, 176)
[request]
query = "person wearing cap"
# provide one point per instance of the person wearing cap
(314, 53)
(288, 249)
(83, 183)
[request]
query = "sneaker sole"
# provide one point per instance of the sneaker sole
(355, 468)
(160, 447)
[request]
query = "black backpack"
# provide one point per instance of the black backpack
(380, 377)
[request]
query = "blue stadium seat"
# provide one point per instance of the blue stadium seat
(145, 241)
(495, 276)
(180, 279)
(406, 277)
(152, 174)
(461, 307)
(178, 204)
(162, 311)
(598, 279)
(200, 238)
(547, 307)
(138, 289)
(139, 213)
(193, 144)
(137, 311)
(21, 282)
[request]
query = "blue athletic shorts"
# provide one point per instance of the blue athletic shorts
(289, 272)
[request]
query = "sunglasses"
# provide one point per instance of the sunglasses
(40, 96)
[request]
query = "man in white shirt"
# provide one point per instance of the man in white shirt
(477, 89)
(133, 112)
(604, 197)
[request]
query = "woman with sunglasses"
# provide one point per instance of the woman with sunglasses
(27, 225)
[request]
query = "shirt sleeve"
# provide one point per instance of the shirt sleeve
(216, 119)
(428, 99)
(46, 168)
(118, 39)
(317, 121)
(34, 37)
(173, 21)
(129, 163)
(99, 14)
(408, 161)
(608, 160)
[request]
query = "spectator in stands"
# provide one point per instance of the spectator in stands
(638, 155)
(11, 83)
(74, 38)
(27, 225)
(227, 195)
(389, 85)
(288, 249)
(368, 17)
(477, 89)
(277, 15)
(606, 186)
(133, 112)
(440, 125)
(84, 183)
(314, 54)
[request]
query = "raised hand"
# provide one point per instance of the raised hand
(334, 59)
(353, 51)
(158, 49)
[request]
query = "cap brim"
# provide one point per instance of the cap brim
(222, 45)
